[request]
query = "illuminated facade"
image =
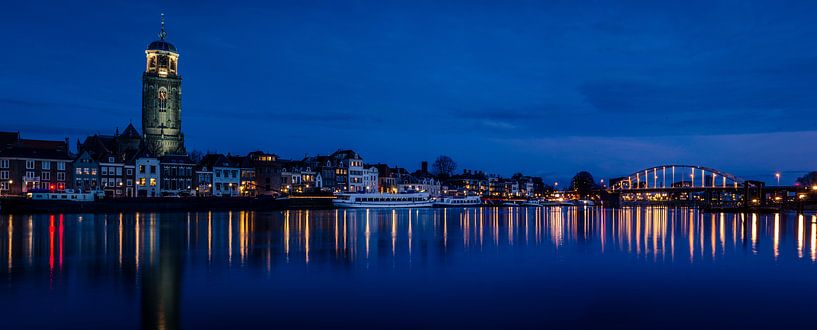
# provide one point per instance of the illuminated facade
(162, 98)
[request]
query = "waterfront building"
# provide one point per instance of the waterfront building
(162, 98)
(115, 156)
(203, 181)
(226, 176)
(348, 171)
(328, 170)
(467, 183)
(148, 176)
(30, 165)
(386, 179)
(298, 177)
(177, 175)
(267, 172)
(410, 183)
(247, 184)
(371, 181)
(86, 177)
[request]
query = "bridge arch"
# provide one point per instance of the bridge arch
(677, 176)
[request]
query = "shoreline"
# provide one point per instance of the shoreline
(160, 204)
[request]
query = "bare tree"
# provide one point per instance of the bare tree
(444, 166)
(154, 147)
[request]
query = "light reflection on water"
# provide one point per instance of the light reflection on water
(145, 260)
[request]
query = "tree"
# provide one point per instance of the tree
(443, 167)
(153, 146)
(809, 179)
(583, 183)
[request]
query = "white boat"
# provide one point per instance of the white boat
(67, 195)
(382, 200)
(532, 202)
(458, 201)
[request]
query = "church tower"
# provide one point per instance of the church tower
(162, 98)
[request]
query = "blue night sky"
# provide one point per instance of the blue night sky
(547, 88)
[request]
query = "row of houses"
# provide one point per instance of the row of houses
(122, 165)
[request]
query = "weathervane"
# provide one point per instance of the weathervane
(163, 34)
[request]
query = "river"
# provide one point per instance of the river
(459, 267)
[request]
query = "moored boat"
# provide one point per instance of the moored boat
(458, 201)
(371, 200)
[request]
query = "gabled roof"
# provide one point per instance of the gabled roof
(212, 160)
(102, 147)
(240, 161)
(131, 132)
(346, 154)
(7, 138)
(13, 146)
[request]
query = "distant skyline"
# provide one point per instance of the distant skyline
(545, 88)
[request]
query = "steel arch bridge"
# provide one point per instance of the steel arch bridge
(675, 176)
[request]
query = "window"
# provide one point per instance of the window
(153, 182)
(104, 170)
(29, 164)
(142, 182)
(60, 176)
(152, 169)
(162, 99)
(30, 174)
(141, 168)
(60, 166)
(130, 183)
(4, 163)
(79, 171)
(111, 160)
(130, 171)
(118, 182)
(93, 172)
(4, 175)
(118, 171)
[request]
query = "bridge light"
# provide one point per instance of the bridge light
(814, 187)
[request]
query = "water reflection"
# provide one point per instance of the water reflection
(151, 253)
(347, 236)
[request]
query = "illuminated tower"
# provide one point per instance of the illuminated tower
(162, 98)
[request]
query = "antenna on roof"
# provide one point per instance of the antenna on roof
(163, 34)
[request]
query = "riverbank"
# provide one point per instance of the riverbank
(162, 204)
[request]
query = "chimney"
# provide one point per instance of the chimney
(424, 166)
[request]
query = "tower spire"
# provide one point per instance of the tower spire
(163, 34)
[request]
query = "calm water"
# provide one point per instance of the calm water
(489, 267)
